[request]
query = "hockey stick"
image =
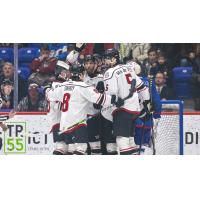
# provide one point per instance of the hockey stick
(150, 79)
(131, 91)
(142, 138)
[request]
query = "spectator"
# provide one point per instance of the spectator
(171, 50)
(33, 101)
(43, 67)
(8, 73)
(189, 59)
(164, 92)
(7, 94)
(161, 66)
(151, 61)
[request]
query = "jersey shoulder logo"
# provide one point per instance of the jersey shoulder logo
(106, 75)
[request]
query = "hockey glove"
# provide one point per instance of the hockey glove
(147, 106)
(79, 47)
(145, 114)
(118, 103)
(100, 87)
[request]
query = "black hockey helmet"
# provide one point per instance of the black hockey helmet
(109, 53)
(89, 58)
(97, 56)
(76, 72)
(112, 55)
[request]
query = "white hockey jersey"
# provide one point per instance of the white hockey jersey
(75, 98)
(117, 81)
(93, 82)
(54, 111)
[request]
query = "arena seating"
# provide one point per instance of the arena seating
(26, 55)
(24, 72)
(182, 82)
(7, 54)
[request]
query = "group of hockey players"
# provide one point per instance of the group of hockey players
(103, 107)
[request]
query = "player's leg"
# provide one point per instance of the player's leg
(147, 138)
(95, 147)
(107, 138)
(133, 144)
(68, 138)
(80, 140)
(60, 145)
(143, 136)
(123, 123)
(111, 148)
(71, 149)
(93, 127)
(131, 138)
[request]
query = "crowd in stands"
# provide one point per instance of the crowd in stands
(174, 67)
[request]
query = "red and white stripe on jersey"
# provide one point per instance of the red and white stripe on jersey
(130, 150)
(141, 87)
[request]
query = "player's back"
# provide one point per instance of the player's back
(74, 104)
(118, 81)
(75, 98)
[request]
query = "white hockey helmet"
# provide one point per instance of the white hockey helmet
(136, 66)
(62, 64)
(60, 67)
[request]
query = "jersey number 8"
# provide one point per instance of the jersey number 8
(65, 103)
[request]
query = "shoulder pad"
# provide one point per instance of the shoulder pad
(80, 83)
(109, 73)
(54, 84)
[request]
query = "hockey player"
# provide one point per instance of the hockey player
(121, 80)
(62, 74)
(93, 77)
(76, 96)
(144, 124)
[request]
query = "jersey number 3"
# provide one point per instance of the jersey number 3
(65, 103)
